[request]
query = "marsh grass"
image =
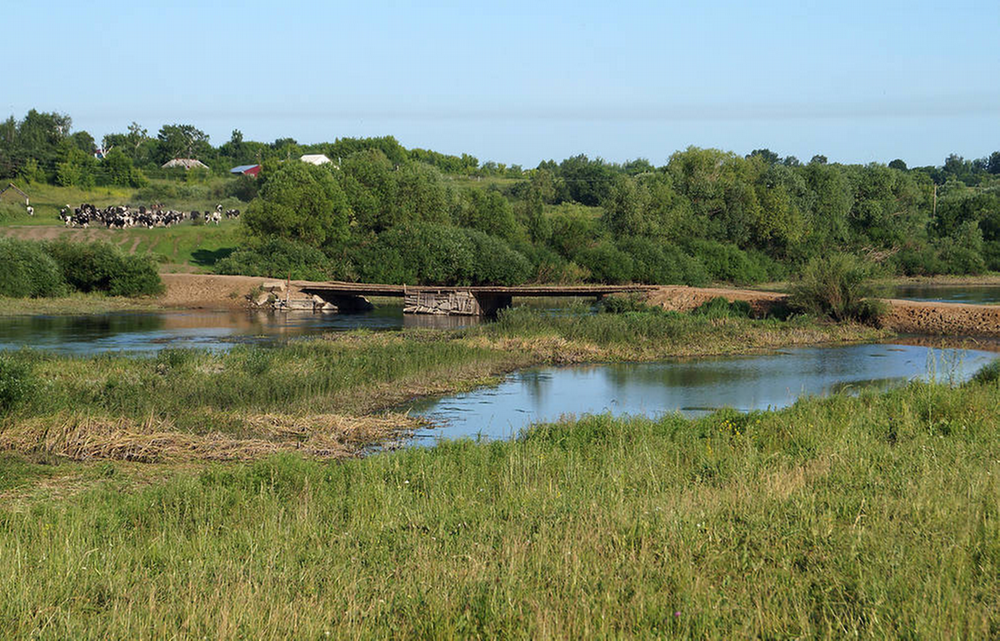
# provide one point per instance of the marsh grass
(868, 516)
(155, 408)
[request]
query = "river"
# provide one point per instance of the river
(691, 387)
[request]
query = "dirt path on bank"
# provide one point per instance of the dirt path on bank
(904, 316)
(208, 291)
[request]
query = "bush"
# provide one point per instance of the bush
(102, 267)
(729, 263)
(277, 258)
(626, 304)
(989, 373)
(720, 307)
(27, 271)
(838, 287)
(17, 383)
(918, 260)
(607, 263)
(658, 263)
(431, 254)
(135, 275)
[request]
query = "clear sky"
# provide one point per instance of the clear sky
(520, 82)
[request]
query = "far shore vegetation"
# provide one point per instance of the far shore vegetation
(380, 212)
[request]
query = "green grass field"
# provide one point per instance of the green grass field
(184, 247)
(876, 516)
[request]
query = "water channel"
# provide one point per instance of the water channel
(971, 294)
(144, 332)
(692, 387)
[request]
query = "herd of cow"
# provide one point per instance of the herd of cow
(122, 216)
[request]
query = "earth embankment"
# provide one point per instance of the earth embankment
(904, 316)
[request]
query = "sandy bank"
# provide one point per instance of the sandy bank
(905, 316)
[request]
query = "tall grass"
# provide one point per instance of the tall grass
(345, 375)
(872, 516)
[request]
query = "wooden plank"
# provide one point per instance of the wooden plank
(377, 289)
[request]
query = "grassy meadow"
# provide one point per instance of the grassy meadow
(872, 516)
(183, 247)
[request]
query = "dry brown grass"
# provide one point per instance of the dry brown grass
(157, 440)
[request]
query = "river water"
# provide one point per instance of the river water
(693, 387)
(972, 294)
(144, 332)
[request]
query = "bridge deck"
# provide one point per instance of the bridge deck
(374, 289)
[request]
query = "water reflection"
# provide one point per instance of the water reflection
(151, 331)
(691, 387)
(972, 294)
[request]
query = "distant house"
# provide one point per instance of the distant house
(246, 170)
(186, 163)
(315, 159)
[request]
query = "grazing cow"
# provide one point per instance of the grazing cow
(30, 209)
(216, 217)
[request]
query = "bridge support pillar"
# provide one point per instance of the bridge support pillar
(346, 303)
(445, 303)
(490, 304)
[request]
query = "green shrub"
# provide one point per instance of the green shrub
(917, 260)
(626, 304)
(725, 262)
(135, 275)
(720, 307)
(27, 271)
(103, 267)
(277, 258)
(659, 263)
(839, 287)
(607, 263)
(989, 373)
(432, 254)
(17, 383)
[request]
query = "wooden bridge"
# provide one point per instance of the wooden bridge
(483, 300)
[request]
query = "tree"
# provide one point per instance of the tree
(181, 141)
(491, 213)
(818, 159)
(298, 202)
(898, 164)
(993, 164)
(587, 181)
(766, 155)
(83, 141)
(117, 169)
(625, 208)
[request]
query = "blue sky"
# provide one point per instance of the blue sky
(520, 82)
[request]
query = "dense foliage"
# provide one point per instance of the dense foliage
(34, 269)
(839, 287)
(704, 215)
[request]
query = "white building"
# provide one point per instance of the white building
(315, 159)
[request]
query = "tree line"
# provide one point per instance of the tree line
(382, 212)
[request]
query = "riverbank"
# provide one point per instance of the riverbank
(902, 316)
(304, 396)
(867, 516)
